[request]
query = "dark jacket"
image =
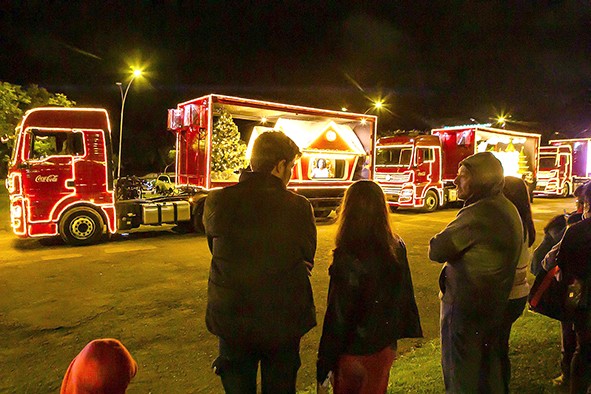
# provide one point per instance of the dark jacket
(574, 255)
(260, 234)
(370, 305)
(553, 233)
(480, 247)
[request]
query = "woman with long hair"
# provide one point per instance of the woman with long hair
(371, 300)
(516, 191)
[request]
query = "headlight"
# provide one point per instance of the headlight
(16, 211)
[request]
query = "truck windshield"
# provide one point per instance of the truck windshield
(394, 156)
(547, 162)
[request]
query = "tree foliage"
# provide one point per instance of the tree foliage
(228, 151)
(14, 102)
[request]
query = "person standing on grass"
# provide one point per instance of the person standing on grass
(574, 260)
(259, 301)
(516, 191)
(371, 300)
(480, 248)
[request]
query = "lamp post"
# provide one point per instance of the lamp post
(136, 73)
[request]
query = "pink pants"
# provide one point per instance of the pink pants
(364, 374)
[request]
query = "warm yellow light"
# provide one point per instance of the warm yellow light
(378, 104)
(137, 73)
(263, 120)
(331, 136)
(363, 121)
(501, 119)
(344, 109)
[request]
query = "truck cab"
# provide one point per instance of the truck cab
(409, 170)
(60, 178)
(555, 171)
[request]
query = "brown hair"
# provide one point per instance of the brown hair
(516, 191)
(363, 227)
(270, 148)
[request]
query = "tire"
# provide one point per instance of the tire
(81, 226)
(431, 201)
(565, 192)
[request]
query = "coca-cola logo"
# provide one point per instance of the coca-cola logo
(46, 178)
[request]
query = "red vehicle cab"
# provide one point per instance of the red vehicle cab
(60, 179)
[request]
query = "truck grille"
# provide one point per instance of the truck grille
(389, 190)
(392, 177)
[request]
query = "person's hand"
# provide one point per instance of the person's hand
(309, 267)
(320, 389)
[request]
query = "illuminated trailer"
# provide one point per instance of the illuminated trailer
(336, 146)
(61, 173)
(418, 171)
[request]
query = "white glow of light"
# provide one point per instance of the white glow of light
(331, 136)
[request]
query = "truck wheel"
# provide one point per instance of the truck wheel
(431, 201)
(197, 217)
(81, 226)
(565, 192)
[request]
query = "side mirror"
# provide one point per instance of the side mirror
(23, 165)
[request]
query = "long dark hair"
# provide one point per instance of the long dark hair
(364, 228)
(516, 191)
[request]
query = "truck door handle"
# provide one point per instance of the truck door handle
(70, 183)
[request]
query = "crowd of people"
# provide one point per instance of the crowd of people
(260, 304)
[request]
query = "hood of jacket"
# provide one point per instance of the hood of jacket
(487, 176)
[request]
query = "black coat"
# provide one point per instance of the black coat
(370, 306)
(260, 234)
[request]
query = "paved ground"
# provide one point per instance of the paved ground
(148, 289)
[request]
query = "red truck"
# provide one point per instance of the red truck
(555, 175)
(564, 165)
(61, 174)
(417, 171)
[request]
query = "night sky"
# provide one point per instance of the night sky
(434, 62)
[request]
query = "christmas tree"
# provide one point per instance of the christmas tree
(228, 151)
(523, 166)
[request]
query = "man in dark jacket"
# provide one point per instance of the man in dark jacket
(480, 249)
(263, 239)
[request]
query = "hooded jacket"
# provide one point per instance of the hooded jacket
(104, 366)
(481, 246)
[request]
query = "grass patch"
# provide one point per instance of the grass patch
(534, 353)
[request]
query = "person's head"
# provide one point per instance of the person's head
(104, 366)
(578, 193)
(479, 176)
(274, 153)
(516, 191)
(363, 220)
(320, 163)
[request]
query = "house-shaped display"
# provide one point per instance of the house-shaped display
(330, 151)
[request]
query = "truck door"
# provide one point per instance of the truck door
(48, 170)
(428, 170)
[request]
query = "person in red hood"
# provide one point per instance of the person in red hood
(103, 366)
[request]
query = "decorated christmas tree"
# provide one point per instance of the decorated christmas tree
(523, 167)
(228, 151)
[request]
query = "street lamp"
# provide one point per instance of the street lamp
(136, 73)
